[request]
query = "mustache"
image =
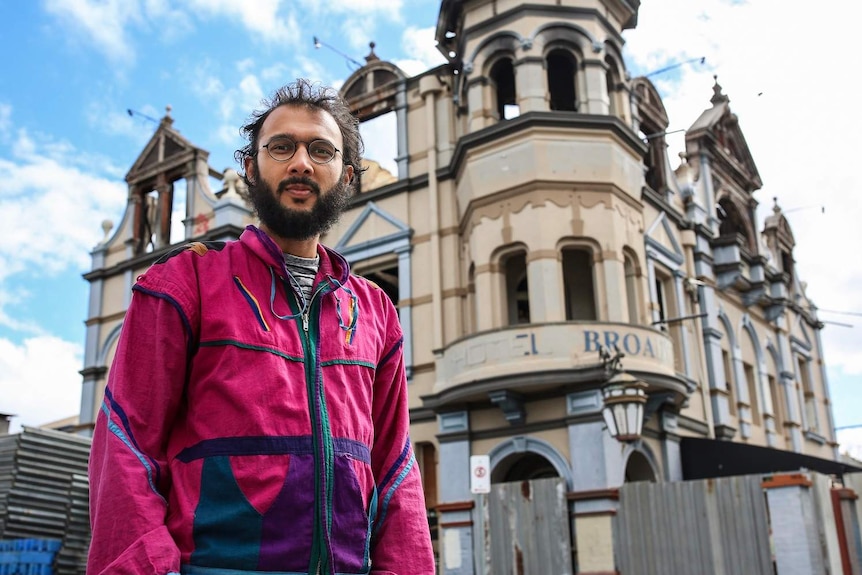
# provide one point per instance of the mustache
(282, 185)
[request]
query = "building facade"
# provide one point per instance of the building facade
(532, 226)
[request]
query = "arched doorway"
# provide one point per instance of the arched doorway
(523, 467)
(639, 468)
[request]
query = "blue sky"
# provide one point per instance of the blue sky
(72, 69)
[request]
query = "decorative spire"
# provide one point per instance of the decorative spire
(168, 119)
(372, 57)
(717, 96)
(776, 209)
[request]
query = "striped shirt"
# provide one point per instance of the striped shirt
(303, 271)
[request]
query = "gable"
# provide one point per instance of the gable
(373, 232)
(166, 150)
(661, 237)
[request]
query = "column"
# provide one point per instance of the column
(530, 84)
(715, 366)
(594, 98)
(455, 510)
(597, 472)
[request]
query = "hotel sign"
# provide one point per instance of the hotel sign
(546, 347)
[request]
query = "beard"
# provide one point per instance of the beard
(292, 224)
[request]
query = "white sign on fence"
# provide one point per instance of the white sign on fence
(480, 474)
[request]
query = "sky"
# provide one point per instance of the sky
(73, 69)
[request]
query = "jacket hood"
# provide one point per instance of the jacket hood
(332, 264)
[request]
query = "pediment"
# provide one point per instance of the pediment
(661, 236)
(165, 150)
(717, 129)
(373, 226)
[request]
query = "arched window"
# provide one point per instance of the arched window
(732, 223)
(578, 283)
(613, 81)
(502, 77)
(517, 289)
(561, 67)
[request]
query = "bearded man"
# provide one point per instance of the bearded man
(256, 418)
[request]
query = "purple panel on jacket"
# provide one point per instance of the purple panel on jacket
(288, 524)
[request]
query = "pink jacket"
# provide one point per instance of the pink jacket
(242, 432)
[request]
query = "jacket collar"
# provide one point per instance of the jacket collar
(332, 263)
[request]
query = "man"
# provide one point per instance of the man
(255, 417)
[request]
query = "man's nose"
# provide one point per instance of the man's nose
(301, 162)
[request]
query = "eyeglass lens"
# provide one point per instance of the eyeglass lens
(283, 149)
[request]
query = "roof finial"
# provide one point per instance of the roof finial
(168, 119)
(372, 57)
(717, 96)
(776, 208)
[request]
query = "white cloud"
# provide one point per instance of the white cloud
(235, 105)
(109, 24)
(381, 141)
(261, 17)
(35, 390)
(102, 23)
(5, 119)
(850, 441)
(55, 205)
(421, 53)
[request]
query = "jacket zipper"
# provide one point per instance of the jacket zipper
(323, 453)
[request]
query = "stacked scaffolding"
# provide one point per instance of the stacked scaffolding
(44, 493)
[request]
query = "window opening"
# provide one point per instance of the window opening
(503, 77)
(561, 81)
(517, 289)
(578, 281)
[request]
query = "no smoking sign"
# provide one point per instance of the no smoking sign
(480, 476)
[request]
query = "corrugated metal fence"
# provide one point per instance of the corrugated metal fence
(44, 493)
(525, 527)
(714, 526)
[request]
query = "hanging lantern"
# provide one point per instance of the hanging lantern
(624, 397)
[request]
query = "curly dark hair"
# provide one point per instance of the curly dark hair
(313, 96)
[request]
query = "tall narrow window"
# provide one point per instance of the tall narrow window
(751, 382)
(728, 378)
(612, 81)
(561, 81)
(778, 398)
(808, 394)
(426, 456)
(668, 316)
(503, 79)
(517, 289)
(469, 313)
(578, 282)
(631, 289)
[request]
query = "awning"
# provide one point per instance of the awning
(704, 458)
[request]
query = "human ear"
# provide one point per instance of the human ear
(250, 169)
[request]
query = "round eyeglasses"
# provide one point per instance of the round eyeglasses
(282, 148)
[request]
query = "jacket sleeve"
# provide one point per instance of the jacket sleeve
(401, 541)
(129, 477)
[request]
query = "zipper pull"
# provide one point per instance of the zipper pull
(305, 322)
